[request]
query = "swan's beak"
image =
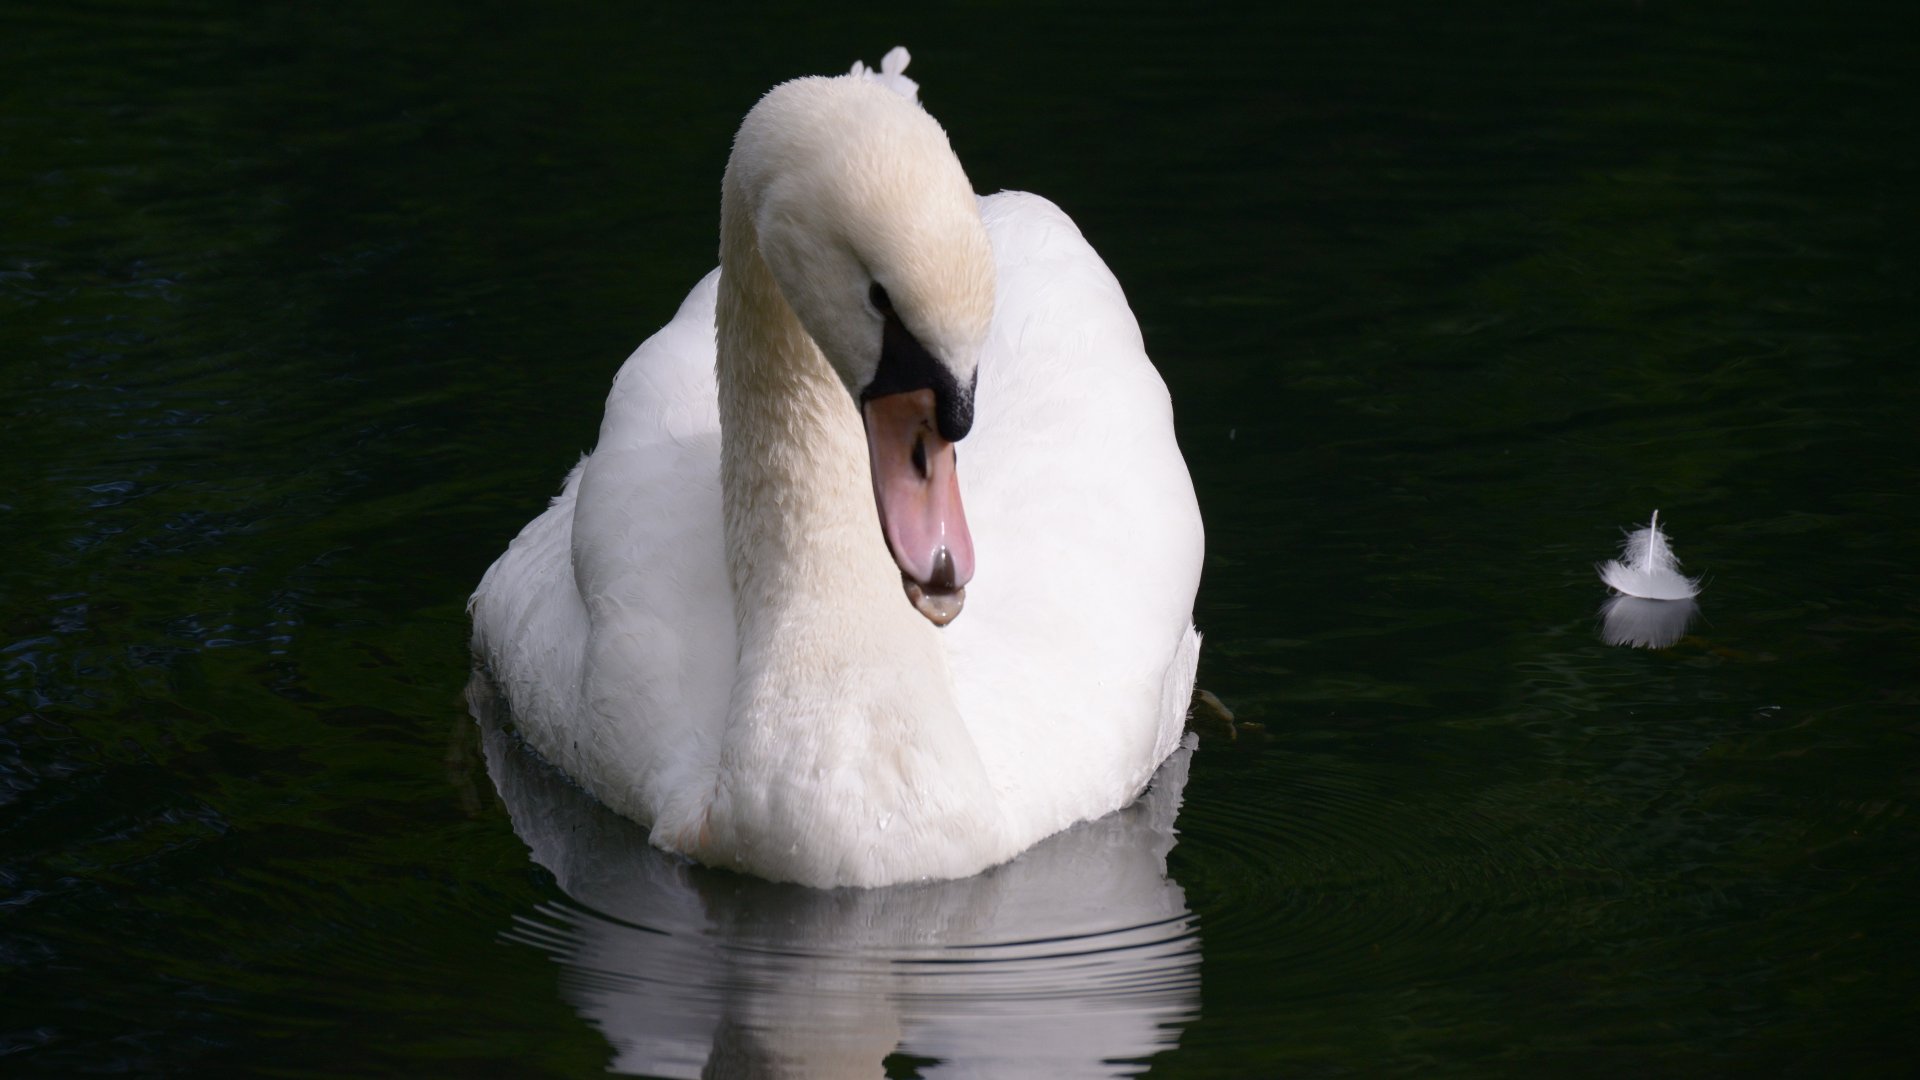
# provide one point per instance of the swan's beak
(918, 493)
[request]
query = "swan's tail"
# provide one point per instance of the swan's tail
(891, 73)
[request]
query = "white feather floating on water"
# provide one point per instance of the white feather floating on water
(1647, 567)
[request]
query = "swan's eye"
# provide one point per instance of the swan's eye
(881, 302)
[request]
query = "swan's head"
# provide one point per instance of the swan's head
(870, 228)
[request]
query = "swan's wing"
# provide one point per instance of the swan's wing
(529, 627)
(1086, 533)
(610, 618)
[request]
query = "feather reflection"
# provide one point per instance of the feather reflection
(1077, 959)
(1645, 624)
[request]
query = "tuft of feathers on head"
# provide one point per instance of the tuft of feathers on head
(1647, 567)
(891, 74)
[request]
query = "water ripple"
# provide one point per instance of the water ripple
(1079, 958)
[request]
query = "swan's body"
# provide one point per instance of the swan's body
(706, 628)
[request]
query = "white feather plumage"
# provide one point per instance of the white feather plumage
(1647, 567)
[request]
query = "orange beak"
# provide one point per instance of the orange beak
(917, 490)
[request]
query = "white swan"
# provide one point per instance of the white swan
(708, 627)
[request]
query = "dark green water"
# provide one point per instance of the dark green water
(304, 311)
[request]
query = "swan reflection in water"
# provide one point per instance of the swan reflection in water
(1645, 624)
(1077, 959)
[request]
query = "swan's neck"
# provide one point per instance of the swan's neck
(802, 532)
(842, 717)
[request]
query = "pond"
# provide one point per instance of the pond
(305, 311)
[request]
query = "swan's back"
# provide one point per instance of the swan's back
(1074, 658)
